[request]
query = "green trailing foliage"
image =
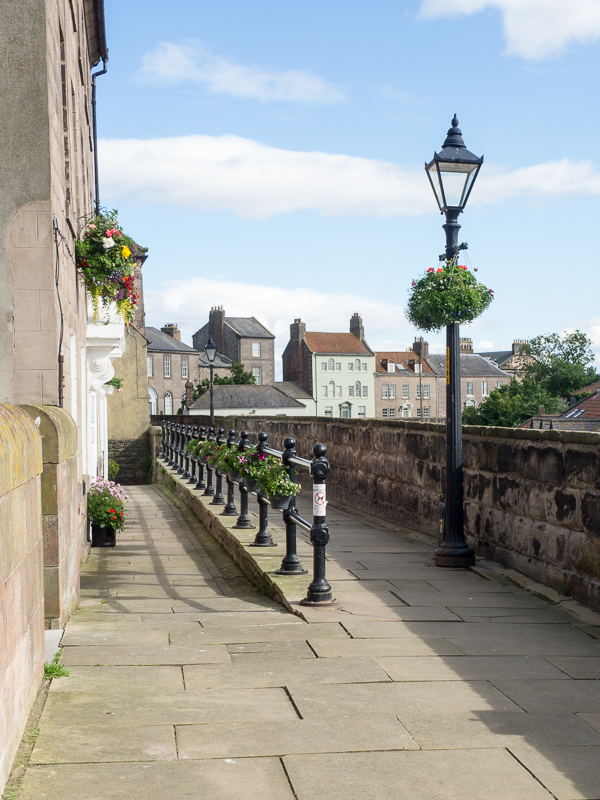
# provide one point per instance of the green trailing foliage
(446, 295)
(113, 469)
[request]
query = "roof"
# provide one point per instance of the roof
(248, 326)
(336, 343)
(593, 387)
(96, 31)
(500, 357)
(471, 366)
(246, 396)
(587, 409)
(160, 342)
(220, 360)
(400, 359)
(293, 389)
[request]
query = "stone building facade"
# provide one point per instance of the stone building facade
(511, 361)
(405, 386)
(336, 369)
(241, 339)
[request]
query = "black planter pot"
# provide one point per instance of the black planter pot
(252, 486)
(234, 475)
(281, 503)
(103, 537)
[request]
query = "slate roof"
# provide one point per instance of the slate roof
(162, 342)
(293, 389)
(500, 357)
(220, 360)
(246, 396)
(248, 326)
(400, 359)
(471, 366)
(336, 344)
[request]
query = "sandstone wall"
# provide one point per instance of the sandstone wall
(532, 498)
(21, 578)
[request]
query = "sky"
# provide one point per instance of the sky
(270, 156)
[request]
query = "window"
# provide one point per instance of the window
(153, 399)
(168, 404)
(498, 384)
(331, 364)
(323, 366)
(350, 366)
(150, 368)
(406, 411)
(418, 411)
(405, 391)
(345, 411)
(358, 387)
(331, 392)
(338, 366)
(357, 365)
(484, 388)
(338, 391)
(184, 367)
(384, 390)
(425, 391)
(167, 367)
(365, 392)
(362, 411)
(351, 391)
(418, 391)
(324, 390)
(392, 412)
(384, 412)
(469, 387)
(329, 411)
(257, 372)
(255, 349)
(392, 390)
(364, 366)
(426, 411)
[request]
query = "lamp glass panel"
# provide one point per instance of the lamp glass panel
(211, 352)
(435, 182)
(455, 179)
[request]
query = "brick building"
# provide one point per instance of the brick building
(405, 386)
(336, 369)
(241, 339)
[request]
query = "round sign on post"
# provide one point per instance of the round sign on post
(319, 500)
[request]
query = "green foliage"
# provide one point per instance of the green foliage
(238, 377)
(113, 469)
(54, 669)
(148, 469)
(270, 474)
(104, 257)
(105, 504)
(512, 404)
(449, 294)
(171, 484)
(116, 382)
(562, 363)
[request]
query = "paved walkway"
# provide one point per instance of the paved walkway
(426, 684)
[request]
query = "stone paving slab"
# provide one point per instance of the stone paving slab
(221, 779)
(470, 668)
(401, 646)
(557, 763)
(117, 681)
(293, 631)
(131, 656)
(413, 775)
(577, 666)
(335, 734)
(70, 745)
(537, 696)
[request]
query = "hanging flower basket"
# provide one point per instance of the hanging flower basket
(105, 260)
(446, 295)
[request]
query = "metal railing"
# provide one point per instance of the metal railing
(175, 439)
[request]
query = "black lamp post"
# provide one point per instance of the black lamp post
(210, 348)
(452, 173)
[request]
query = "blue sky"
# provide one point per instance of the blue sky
(270, 156)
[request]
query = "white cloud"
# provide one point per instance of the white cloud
(534, 29)
(484, 347)
(256, 181)
(191, 62)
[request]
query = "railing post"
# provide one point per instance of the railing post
(200, 466)
(230, 510)
(186, 455)
(193, 462)
(263, 536)
(243, 521)
(290, 564)
(319, 592)
(169, 442)
(181, 449)
(210, 489)
(175, 463)
(218, 499)
(163, 442)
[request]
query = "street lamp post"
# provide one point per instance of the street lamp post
(452, 173)
(210, 348)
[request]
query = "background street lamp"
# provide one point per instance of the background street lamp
(452, 173)
(210, 348)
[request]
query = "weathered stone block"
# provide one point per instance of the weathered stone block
(590, 512)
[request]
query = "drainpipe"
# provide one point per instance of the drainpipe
(95, 133)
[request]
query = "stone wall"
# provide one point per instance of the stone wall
(132, 457)
(63, 513)
(21, 578)
(532, 498)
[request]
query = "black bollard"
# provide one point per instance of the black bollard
(218, 499)
(199, 465)
(186, 455)
(243, 521)
(319, 592)
(290, 564)
(230, 510)
(163, 442)
(263, 537)
(180, 469)
(210, 489)
(193, 461)
(169, 442)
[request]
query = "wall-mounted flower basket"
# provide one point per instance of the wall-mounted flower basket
(105, 260)
(446, 295)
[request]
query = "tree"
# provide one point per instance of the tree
(512, 404)
(562, 363)
(238, 377)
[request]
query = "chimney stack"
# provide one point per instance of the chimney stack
(171, 329)
(356, 326)
(466, 346)
(216, 327)
(421, 348)
(519, 346)
(297, 330)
